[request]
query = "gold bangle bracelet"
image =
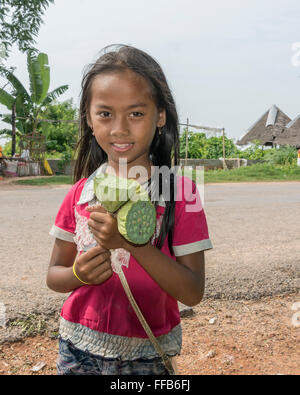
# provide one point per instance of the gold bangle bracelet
(75, 274)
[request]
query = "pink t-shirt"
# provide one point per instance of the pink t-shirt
(105, 307)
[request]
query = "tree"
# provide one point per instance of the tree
(196, 145)
(20, 21)
(60, 136)
(201, 147)
(214, 148)
(28, 106)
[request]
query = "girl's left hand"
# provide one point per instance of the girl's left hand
(104, 227)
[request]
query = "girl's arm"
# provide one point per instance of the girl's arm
(183, 279)
(60, 277)
(92, 267)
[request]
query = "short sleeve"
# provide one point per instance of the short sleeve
(65, 225)
(190, 230)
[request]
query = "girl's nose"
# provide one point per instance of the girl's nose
(120, 127)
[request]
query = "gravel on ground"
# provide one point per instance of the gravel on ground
(247, 322)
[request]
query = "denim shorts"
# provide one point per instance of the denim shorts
(72, 361)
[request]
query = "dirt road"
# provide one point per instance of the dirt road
(254, 228)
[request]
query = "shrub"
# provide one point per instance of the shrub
(254, 151)
(285, 155)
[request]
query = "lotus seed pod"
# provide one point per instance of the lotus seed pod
(136, 214)
(113, 192)
(137, 220)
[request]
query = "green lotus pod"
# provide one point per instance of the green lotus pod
(137, 220)
(136, 215)
(113, 192)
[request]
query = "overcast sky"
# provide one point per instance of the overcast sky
(226, 61)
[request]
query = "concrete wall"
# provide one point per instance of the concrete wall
(212, 164)
(209, 164)
(58, 168)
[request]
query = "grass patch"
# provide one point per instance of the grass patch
(254, 173)
(46, 180)
(257, 172)
(31, 325)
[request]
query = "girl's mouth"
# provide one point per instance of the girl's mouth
(122, 147)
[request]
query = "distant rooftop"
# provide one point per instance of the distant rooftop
(272, 115)
(267, 127)
(293, 122)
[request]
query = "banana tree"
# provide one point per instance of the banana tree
(28, 105)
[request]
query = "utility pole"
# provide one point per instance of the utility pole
(223, 138)
(186, 141)
(209, 129)
(13, 127)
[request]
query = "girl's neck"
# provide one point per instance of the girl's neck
(140, 172)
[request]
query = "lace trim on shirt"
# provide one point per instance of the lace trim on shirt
(83, 236)
(122, 347)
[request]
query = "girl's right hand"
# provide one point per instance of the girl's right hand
(94, 266)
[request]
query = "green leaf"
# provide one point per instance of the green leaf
(21, 106)
(53, 95)
(34, 71)
(45, 74)
(15, 82)
(20, 127)
(6, 99)
(6, 118)
(20, 21)
(5, 132)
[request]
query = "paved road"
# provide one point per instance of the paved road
(254, 227)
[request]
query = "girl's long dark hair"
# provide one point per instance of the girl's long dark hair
(164, 150)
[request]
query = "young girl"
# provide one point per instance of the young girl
(127, 114)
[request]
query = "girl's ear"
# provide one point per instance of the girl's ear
(161, 121)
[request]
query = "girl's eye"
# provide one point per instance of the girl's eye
(137, 114)
(103, 112)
